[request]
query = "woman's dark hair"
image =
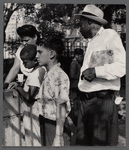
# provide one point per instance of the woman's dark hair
(78, 51)
(28, 30)
(53, 42)
(28, 52)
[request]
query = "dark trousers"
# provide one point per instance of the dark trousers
(74, 99)
(48, 130)
(97, 120)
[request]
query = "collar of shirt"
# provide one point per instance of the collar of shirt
(55, 66)
(98, 33)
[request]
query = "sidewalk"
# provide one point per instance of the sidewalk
(122, 133)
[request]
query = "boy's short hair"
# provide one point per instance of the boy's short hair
(53, 42)
(78, 51)
(28, 52)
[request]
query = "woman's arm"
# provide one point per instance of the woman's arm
(13, 71)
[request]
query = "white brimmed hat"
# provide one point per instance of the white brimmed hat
(94, 13)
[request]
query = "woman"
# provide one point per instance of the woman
(30, 35)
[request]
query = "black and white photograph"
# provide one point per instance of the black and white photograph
(64, 75)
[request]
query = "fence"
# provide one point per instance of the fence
(10, 47)
(69, 48)
(12, 125)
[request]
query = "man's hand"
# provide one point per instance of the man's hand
(88, 74)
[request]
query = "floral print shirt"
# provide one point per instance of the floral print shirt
(54, 90)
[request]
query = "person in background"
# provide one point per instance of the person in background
(74, 75)
(75, 93)
(103, 65)
(54, 92)
(31, 107)
(30, 35)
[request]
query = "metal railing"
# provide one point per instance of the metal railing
(69, 48)
(10, 48)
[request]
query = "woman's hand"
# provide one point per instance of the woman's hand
(58, 140)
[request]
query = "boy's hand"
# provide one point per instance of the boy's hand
(58, 140)
(12, 85)
(18, 88)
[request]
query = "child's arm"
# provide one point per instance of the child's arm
(60, 120)
(61, 115)
(63, 106)
(35, 81)
(28, 97)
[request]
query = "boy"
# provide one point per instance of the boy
(31, 106)
(54, 93)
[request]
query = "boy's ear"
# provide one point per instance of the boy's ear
(52, 54)
(35, 37)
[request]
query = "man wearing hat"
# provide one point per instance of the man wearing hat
(103, 66)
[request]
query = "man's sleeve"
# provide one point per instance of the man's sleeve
(117, 69)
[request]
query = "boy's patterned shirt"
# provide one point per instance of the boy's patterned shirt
(54, 91)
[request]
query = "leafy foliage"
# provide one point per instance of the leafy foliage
(46, 30)
(10, 8)
(49, 14)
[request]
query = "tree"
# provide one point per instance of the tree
(50, 14)
(10, 8)
(112, 13)
(115, 14)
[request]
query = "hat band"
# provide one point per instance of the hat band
(86, 13)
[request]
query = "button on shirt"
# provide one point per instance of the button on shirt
(106, 53)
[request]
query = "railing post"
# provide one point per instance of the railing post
(12, 125)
